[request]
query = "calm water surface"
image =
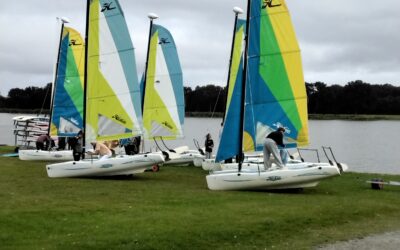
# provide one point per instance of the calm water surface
(370, 146)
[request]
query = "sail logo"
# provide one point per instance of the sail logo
(119, 118)
(166, 124)
(107, 6)
(106, 166)
(164, 41)
(270, 4)
(74, 121)
(74, 43)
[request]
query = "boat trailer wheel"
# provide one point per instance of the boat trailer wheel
(155, 168)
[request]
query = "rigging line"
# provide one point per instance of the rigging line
(164, 143)
(196, 143)
(45, 97)
(216, 102)
(155, 141)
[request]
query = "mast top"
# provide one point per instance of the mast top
(63, 19)
(237, 10)
(152, 16)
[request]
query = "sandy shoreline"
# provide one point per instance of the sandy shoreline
(386, 241)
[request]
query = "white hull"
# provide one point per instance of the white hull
(198, 160)
(120, 165)
(211, 165)
(296, 175)
(44, 155)
(183, 156)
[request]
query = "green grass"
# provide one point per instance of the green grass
(173, 209)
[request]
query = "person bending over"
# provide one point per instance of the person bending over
(271, 143)
(100, 149)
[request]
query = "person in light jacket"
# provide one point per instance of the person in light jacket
(271, 143)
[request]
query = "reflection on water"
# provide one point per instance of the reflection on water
(370, 146)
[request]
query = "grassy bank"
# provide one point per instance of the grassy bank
(173, 209)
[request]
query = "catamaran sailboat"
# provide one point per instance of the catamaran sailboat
(66, 118)
(270, 94)
(112, 109)
(162, 94)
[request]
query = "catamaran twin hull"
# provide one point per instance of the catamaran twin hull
(296, 175)
(44, 155)
(120, 165)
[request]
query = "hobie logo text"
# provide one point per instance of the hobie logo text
(163, 41)
(166, 124)
(270, 4)
(107, 6)
(118, 118)
(74, 43)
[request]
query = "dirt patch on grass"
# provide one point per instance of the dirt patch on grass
(387, 241)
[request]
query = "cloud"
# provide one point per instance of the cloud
(340, 39)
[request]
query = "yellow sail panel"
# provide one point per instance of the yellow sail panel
(67, 105)
(287, 41)
(78, 50)
(275, 94)
(113, 96)
(163, 111)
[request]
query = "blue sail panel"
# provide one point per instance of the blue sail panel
(231, 129)
(67, 109)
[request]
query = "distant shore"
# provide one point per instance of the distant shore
(350, 117)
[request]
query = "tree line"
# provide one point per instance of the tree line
(29, 99)
(355, 97)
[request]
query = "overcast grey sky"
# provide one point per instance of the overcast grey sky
(341, 40)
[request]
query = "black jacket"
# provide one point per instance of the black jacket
(209, 144)
(277, 136)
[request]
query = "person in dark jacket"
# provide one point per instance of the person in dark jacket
(209, 145)
(43, 142)
(133, 146)
(271, 143)
(77, 147)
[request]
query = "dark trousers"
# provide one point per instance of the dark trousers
(39, 145)
(77, 156)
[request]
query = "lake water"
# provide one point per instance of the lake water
(366, 146)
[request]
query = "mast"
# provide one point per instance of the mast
(54, 85)
(237, 11)
(85, 73)
(246, 39)
(151, 16)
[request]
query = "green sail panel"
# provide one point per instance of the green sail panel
(275, 87)
(164, 106)
(113, 108)
(67, 110)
